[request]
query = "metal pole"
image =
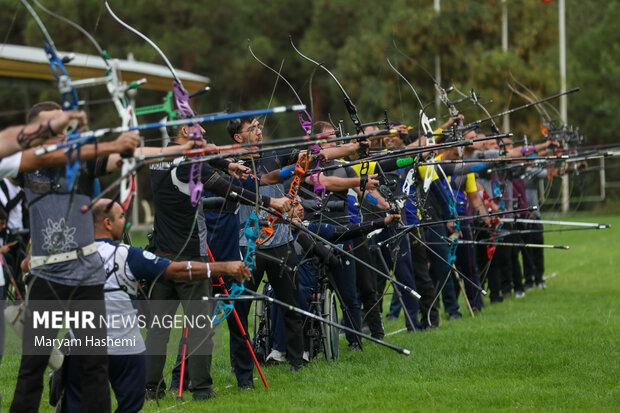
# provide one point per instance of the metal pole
(563, 99)
(505, 50)
(602, 179)
(437, 66)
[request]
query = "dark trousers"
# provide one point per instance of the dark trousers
(285, 289)
(517, 274)
(165, 298)
(403, 271)
(127, 377)
(345, 279)
(307, 286)
(93, 366)
(490, 273)
(439, 270)
(367, 291)
(533, 258)
(227, 249)
(467, 263)
(423, 281)
(508, 261)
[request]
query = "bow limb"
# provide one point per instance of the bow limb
(306, 124)
(319, 188)
(541, 111)
(235, 291)
(65, 84)
(182, 102)
(117, 90)
(350, 106)
(181, 97)
(424, 121)
(527, 105)
(532, 97)
(456, 229)
(305, 121)
(456, 130)
(300, 170)
(67, 92)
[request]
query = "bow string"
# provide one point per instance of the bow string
(181, 98)
(67, 89)
(117, 90)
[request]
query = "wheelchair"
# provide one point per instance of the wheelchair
(318, 337)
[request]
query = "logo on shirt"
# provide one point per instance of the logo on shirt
(149, 255)
(58, 237)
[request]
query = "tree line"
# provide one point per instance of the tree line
(352, 39)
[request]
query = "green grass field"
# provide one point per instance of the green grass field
(556, 349)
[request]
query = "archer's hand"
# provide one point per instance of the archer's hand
(487, 222)
(281, 204)
(296, 220)
(548, 148)
(356, 145)
(6, 247)
(238, 171)
(25, 264)
(390, 218)
(372, 182)
(452, 119)
(197, 144)
(60, 123)
(401, 130)
(421, 141)
(127, 142)
(496, 223)
(451, 230)
(322, 156)
(553, 143)
(237, 269)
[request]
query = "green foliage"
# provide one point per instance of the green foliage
(352, 39)
(595, 62)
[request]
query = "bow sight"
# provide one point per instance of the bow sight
(567, 135)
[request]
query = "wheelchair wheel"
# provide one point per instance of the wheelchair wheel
(261, 341)
(314, 331)
(257, 317)
(332, 334)
(327, 351)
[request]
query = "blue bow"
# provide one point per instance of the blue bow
(223, 308)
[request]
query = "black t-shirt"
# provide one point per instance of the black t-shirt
(174, 213)
(332, 217)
